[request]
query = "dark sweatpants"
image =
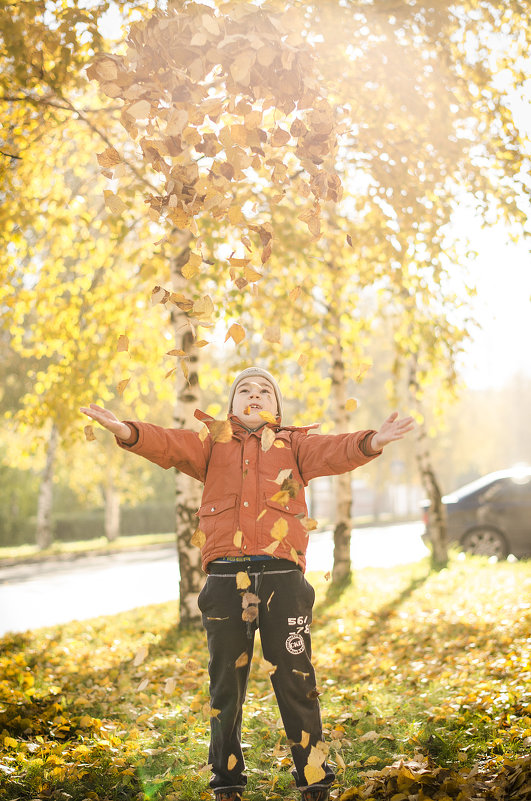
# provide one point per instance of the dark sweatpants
(284, 617)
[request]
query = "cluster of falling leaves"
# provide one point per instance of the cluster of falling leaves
(196, 89)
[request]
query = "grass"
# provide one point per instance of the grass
(412, 664)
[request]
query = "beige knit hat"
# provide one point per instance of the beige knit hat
(256, 371)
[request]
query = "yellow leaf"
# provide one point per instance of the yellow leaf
(242, 580)
(170, 372)
(294, 555)
(262, 513)
(220, 430)
(313, 773)
(203, 434)
(114, 203)
(271, 548)
(281, 497)
(351, 404)
(175, 352)
(268, 417)
(309, 523)
(198, 538)
(242, 660)
(251, 274)
(278, 443)
(237, 332)
(89, 434)
(10, 742)
(214, 713)
(237, 540)
(305, 739)
(123, 343)
(235, 215)
(203, 307)
(280, 529)
(169, 686)
(122, 385)
(267, 438)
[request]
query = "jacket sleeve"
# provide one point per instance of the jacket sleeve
(170, 447)
(331, 454)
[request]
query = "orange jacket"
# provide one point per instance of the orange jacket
(239, 515)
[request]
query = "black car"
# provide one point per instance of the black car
(491, 516)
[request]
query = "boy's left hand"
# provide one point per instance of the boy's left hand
(391, 430)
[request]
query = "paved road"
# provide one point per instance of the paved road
(47, 593)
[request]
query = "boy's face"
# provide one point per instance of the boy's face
(254, 395)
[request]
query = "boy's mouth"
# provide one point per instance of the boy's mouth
(253, 407)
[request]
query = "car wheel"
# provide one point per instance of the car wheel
(485, 541)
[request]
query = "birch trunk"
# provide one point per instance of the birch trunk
(112, 510)
(44, 534)
(436, 513)
(188, 490)
(341, 571)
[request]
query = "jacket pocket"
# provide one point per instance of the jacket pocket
(291, 512)
(216, 517)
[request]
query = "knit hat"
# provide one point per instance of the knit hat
(249, 373)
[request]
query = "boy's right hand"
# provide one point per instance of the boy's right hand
(108, 420)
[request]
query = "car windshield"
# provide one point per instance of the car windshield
(480, 484)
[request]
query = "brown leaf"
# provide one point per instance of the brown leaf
(109, 158)
(231, 762)
(242, 660)
(123, 343)
(122, 385)
(250, 614)
(159, 295)
(89, 434)
(175, 352)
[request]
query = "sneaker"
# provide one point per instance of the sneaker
(230, 795)
(316, 794)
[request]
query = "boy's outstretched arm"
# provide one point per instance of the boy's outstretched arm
(391, 429)
(108, 420)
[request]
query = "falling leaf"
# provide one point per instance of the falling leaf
(122, 385)
(349, 240)
(271, 548)
(280, 529)
(123, 343)
(261, 515)
(242, 580)
(198, 538)
(351, 404)
(140, 110)
(214, 713)
(267, 416)
(250, 614)
(251, 275)
(109, 158)
(309, 524)
(159, 295)
(267, 438)
(305, 739)
(231, 762)
(220, 430)
(279, 444)
(114, 203)
(237, 540)
(89, 434)
(203, 433)
(314, 773)
(140, 655)
(237, 332)
(175, 352)
(144, 684)
(249, 598)
(269, 600)
(283, 475)
(327, 576)
(242, 660)
(294, 294)
(294, 555)
(169, 686)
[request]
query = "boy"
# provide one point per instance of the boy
(253, 532)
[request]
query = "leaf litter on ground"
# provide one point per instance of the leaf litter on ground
(425, 681)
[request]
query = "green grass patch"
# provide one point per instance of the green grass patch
(412, 665)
